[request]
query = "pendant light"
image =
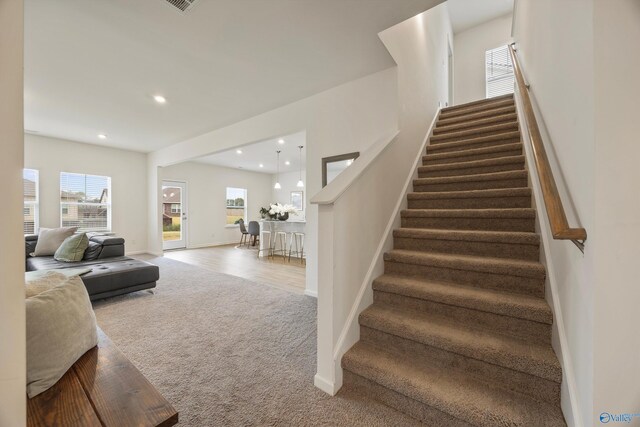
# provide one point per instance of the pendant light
(300, 183)
(277, 186)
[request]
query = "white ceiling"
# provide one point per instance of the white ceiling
(263, 153)
(469, 13)
(92, 66)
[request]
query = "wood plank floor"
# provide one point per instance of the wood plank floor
(243, 262)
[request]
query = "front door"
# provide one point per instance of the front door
(174, 215)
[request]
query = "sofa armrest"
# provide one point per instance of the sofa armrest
(30, 241)
(112, 246)
(107, 240)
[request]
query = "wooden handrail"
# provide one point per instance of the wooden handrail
(560, 229)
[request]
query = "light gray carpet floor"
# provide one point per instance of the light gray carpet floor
(226, 351)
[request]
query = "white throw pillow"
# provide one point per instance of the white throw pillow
(50, 239)
(61, 327)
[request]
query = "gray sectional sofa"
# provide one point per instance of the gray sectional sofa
(111, 273)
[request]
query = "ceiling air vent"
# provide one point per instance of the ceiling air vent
(182, 5)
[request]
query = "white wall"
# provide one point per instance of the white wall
(616, 346)
(206, 198)
(469, 56)
(128, 172)
(347, 118)
(12, 312)
(348, 262)
(558, 65)
(289, 181)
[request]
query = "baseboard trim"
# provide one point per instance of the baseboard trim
(311, 293)
(137, 253)
(324, 385)
(211, 245)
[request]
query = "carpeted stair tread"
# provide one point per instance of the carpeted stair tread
(490, 347)
(470, 133)
(471, 194)
(515, 237)
(467, 124)
(469, 213)
(473, 152)
(476, 108)
(470, 143)
(474, 164)
(479, 115)
(492, 176)
(502, 266)
(456, 394)
(488, 300)
(477, 103)
(500, 198)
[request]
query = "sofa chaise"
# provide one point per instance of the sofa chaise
(111, 273)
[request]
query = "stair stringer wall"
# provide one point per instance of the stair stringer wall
(350, 334)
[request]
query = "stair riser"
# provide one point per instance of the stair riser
(472, 185)
(490, 224)
(525, 329)
(429, 160)
(530, 385)
(477, 116)
(413, 408)
(503, 282)
(473, 133)
(428, 172)
(477, 109)
(471, 203)
(465, 247)
(473, 124)
(437, 149)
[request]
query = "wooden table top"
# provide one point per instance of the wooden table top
(101, 389)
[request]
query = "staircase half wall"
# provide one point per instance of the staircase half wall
(357, 211)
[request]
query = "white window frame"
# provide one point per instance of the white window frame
(108, 204)
(492, 79)
(226, 206)
(177, 210)
(33, 205)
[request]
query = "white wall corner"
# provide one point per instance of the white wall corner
(311, 293)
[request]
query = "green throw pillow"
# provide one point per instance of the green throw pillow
(72, 249)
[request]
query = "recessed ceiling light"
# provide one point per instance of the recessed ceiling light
(239, 151)
(287, 163)
(160, 99)
(102, 136)
(281, 141)
(261, 165)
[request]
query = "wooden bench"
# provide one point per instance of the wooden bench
(101, 389)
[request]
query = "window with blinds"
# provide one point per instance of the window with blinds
(499, 72)
(30, 209)
(85, 201)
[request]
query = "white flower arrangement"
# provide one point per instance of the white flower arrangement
(277, 208)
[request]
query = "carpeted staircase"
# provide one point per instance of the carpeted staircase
(459, 332)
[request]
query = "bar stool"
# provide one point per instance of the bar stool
(298, 238)
(265, 237)
(281, 238)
